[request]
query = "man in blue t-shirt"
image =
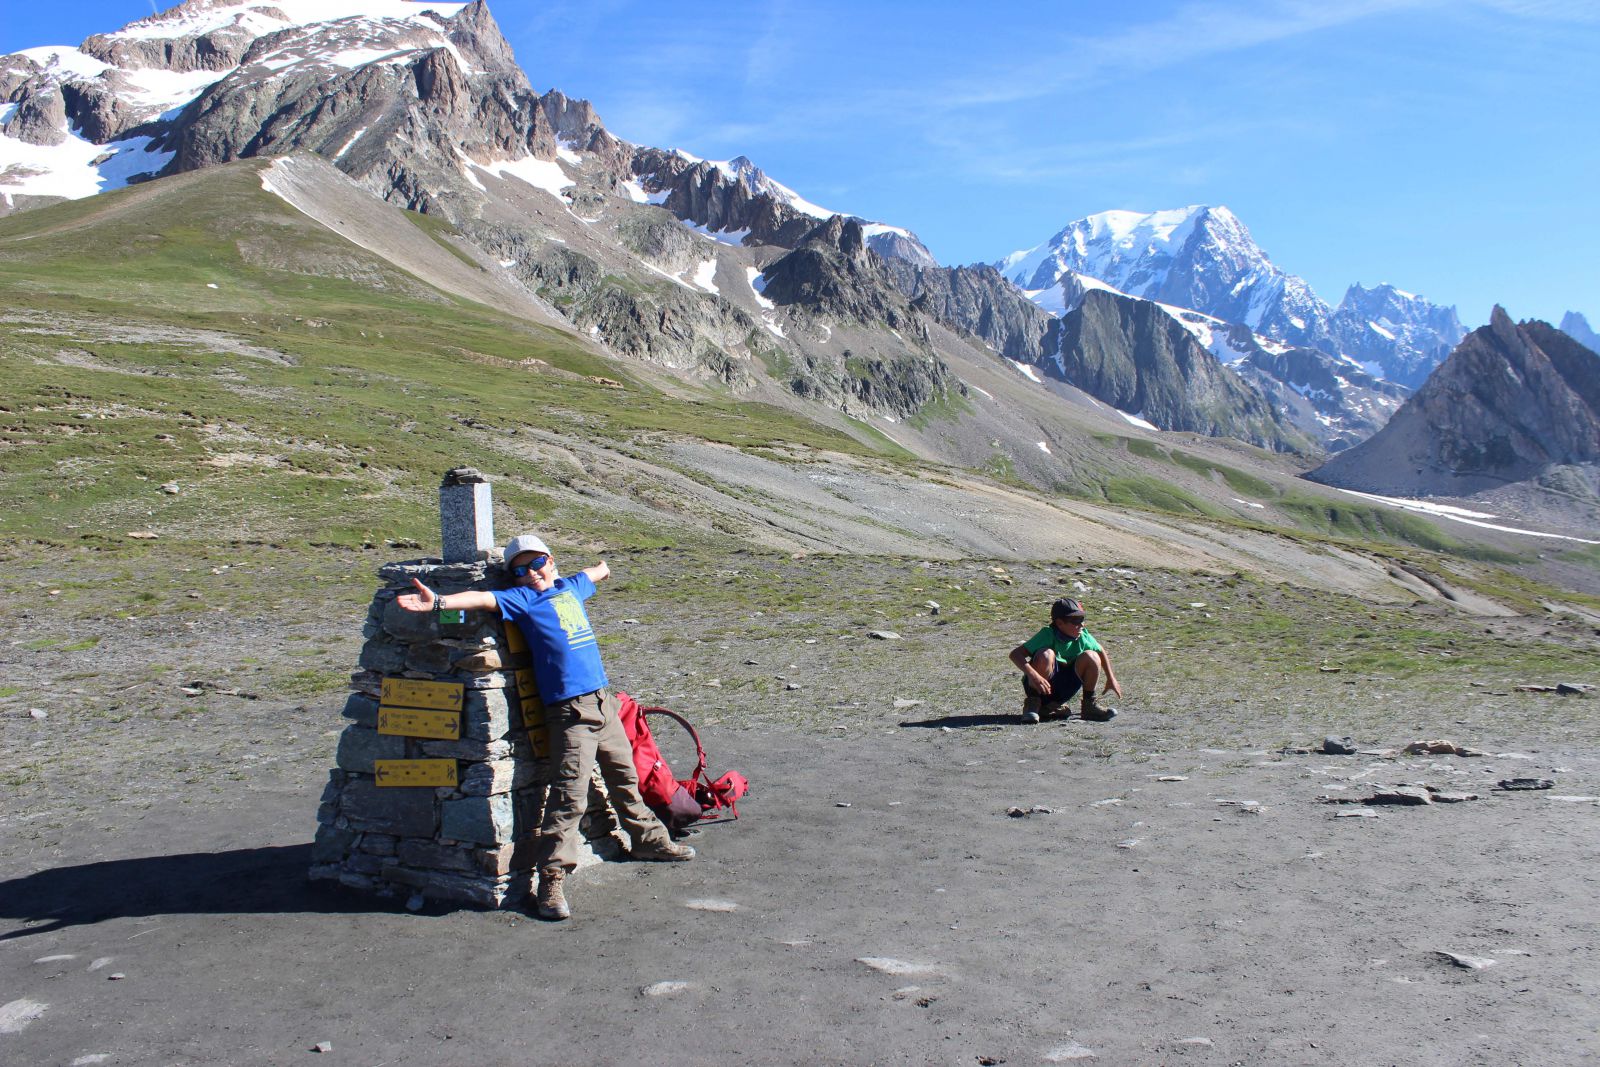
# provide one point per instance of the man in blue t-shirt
(1058, 661)
(581, 714)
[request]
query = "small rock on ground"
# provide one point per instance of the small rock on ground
(663, 989)
(1402, 795)
(1471, 963)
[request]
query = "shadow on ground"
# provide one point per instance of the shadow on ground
(967, 722)
(244, 881)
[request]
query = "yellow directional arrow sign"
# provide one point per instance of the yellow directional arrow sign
(410, 693)
(432, 772)
(514, 639)
(411, 722)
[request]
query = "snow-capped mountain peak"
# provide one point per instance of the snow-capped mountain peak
(1203, 258)
(196, 18)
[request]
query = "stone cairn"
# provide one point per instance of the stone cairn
(439, 786)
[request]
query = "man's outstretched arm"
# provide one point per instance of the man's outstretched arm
(425, 599)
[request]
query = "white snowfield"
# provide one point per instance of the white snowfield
(259, 18)
(757, 283)
(1027, 371)
(1108, 246)
(545, 174)
(1462, 515)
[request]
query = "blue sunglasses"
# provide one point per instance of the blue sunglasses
(522, 570)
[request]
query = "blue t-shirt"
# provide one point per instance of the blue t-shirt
(566, 657)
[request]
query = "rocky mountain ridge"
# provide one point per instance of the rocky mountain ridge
(424, 106)
(1577, 327)
(1515, 404)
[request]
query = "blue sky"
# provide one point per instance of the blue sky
(1449, 147)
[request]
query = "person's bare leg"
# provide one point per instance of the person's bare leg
(1087, 666)
(1043, 661)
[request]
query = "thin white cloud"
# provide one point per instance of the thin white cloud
(1549, 10)
(1194, 32)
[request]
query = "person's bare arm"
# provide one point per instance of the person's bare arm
(1111, 685)
(598, 573)
(425, 599)
(1024, 662)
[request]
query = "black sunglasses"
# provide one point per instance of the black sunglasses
(522, 570)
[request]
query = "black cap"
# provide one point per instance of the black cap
(1066, 608)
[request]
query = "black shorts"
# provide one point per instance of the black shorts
(1064, 685)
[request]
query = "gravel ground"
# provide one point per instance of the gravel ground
(1190, 895)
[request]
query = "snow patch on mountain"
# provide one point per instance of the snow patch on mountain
(758, 284)
(257, 18)
(640, 195)
(545, 174)
(1461, 515)
(726, 237)
(75, 168)
(1026, 371)
(704, 276)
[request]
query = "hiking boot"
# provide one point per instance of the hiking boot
(1030, 708)
(552, 902)
(1094, 711)
(1053, 711)
(662, 852)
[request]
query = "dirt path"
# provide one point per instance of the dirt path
(1223, 917)
(877, 904)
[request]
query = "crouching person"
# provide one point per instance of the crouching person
(579, 709)
(1060, 660)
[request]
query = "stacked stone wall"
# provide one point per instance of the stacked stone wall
(472, 842)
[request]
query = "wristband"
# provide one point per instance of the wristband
(438, 603)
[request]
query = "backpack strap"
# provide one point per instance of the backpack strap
(712, 796)
(700, 750)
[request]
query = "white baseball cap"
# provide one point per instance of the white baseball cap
(525, 543)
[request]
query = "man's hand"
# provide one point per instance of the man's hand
(1041, 683)
(1113, 687)
(421, 600)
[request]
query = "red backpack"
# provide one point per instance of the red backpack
(678, 802)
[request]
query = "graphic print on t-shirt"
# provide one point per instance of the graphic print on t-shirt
(569, 612)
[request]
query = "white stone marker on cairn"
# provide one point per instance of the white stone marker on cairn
(471, 842)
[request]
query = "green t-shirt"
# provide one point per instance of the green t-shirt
(1067, 651)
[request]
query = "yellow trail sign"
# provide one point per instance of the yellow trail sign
(410, 693)
(411, 722)
(434, 772)
(515, 642)
(539, 737)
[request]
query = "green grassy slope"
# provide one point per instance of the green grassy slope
(196, 359)
(292, 386)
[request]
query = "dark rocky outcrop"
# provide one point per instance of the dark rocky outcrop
(40, 118)
(1137, 358)
(218, 50)
(1401, 334)
(834, 273)
(978, 301)
(1329, 399)
(1510, 404)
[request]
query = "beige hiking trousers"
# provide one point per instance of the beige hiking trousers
(584, 731)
